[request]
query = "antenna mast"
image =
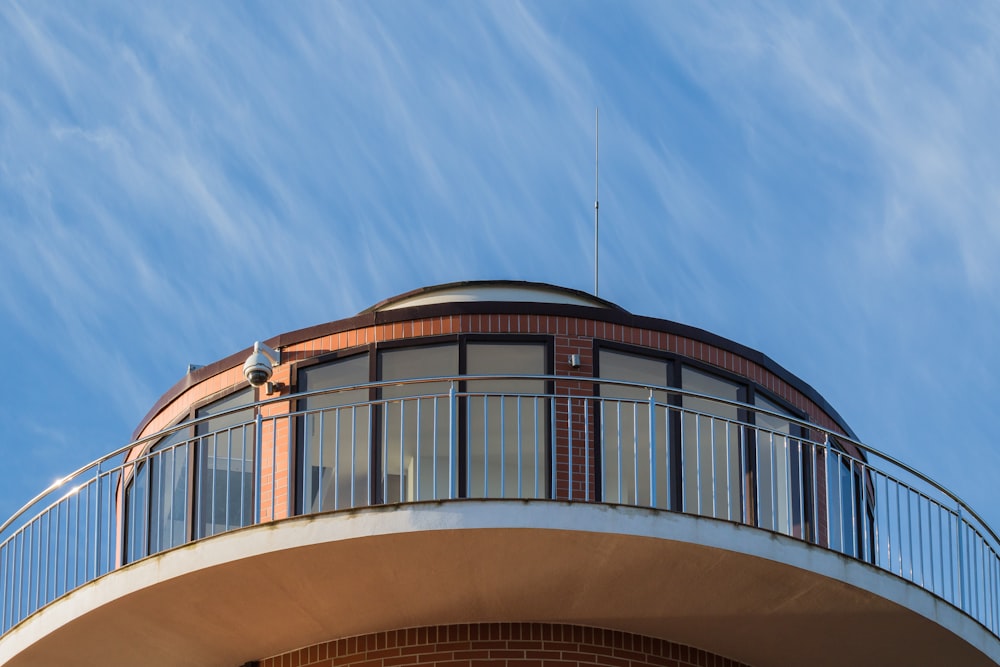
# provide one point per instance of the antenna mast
(597, 206)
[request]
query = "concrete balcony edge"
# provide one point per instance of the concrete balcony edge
(754, 596)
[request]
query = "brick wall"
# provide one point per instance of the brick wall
(572, 335)
(499, 645)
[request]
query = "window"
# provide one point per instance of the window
(392, 444)
(707, 455)
(843, 499)
(624, 430)
(782, 473)
(712, 448)
(169, 524)
(224, 473)
(334, 436)
(507, 444)
(136, 512)
(157, 500)
(414, 423)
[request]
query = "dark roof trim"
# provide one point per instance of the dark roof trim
(613, 315)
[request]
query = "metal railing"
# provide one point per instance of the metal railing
(538, 437)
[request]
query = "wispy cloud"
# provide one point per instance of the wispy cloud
(819, 182)
(910, 96)
(875, 130)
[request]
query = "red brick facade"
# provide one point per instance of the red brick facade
(499, 645)
(572, 335)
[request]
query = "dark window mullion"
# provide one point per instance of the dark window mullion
(751, 479)
(598, 443)
(193, 448)
(148, 466)
(375, 444)
(676, 445)
(462, 423)
(803, 482)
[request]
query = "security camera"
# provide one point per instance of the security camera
(258, 366)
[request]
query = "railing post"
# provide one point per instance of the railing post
(453, 440)
(553, 430)
(828, 494)
(569, 436)
(97, 526)
(259, 465)
(586, 450)
(652, 449)
(961, 559)
(289, 485)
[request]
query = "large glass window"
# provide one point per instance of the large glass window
(414, 423)
(136, 510)
(224, 476)
(156, 499)
(712, 448)
(843, 498)
(782, 472)
(507, 444)
(707, 455)
(334, 436)
(169, 515)
(357, 447)
(627, 454)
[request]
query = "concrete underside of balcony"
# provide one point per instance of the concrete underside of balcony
(762, 599)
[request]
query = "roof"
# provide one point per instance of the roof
(474, 291)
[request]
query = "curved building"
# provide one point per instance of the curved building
(497, 474)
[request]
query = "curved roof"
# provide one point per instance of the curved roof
(475, 291)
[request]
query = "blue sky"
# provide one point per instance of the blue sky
(818, 181)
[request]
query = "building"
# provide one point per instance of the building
(497, 474)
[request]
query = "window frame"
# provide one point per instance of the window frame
(375, 395)
(548, 344)
(748, 390)
(863, 500)
(298, 506)
(799, 434)
(196, 454)
(192, 445)
(674, 499)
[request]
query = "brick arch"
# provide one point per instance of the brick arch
(499, 645)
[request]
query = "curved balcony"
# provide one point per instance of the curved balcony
(569, 442)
